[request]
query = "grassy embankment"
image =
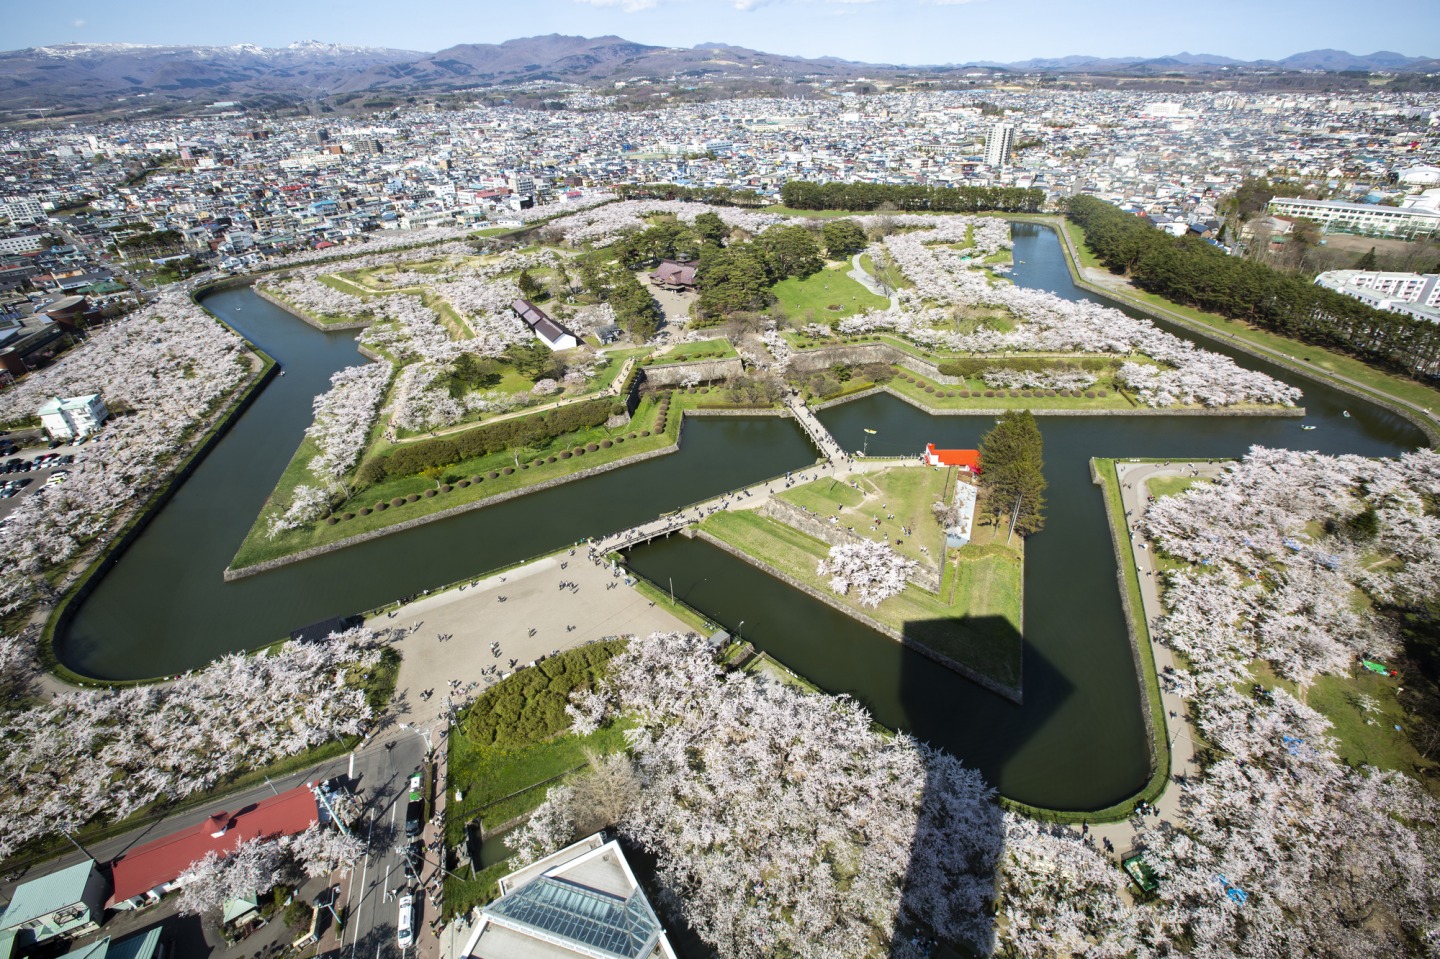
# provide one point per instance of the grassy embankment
(1314, 358)
(428, 493)
(975, 619)
(510, 746)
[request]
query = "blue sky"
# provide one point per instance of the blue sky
(891, 31)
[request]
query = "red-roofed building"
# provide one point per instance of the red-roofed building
(967, 460)
(142, 875)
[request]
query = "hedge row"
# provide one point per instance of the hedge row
(493, 437)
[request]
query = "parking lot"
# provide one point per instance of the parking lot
(20, 472)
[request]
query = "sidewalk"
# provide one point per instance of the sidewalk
(1134, 494)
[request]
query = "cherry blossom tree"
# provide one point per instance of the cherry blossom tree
(874, 570)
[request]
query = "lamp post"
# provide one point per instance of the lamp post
(740, 631)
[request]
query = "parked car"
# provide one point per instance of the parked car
(404, 928)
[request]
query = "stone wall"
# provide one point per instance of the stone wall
(304, 317)
(708, 371)
(1012, 693)
(925, 577)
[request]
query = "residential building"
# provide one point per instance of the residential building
(69, 903)
(580, 901)
(1367, 219)
(1414, 294)
(999, 141)
(550, 333)
(66, 419)
(143, 874)
(675, 275)
(142, 945)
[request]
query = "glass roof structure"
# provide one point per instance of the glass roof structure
(587, 920)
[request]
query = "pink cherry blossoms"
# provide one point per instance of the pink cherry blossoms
(874, 570)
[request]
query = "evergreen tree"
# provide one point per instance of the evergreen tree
(1012, 477)
(529, 286)
(1368, 261)
(843, 238)
(711, 229)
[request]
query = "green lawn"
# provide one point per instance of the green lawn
(1364, 737)
(718, 348)
(826, 295)
(907, 493)
(991, 646)
(1160, 486)
(1001, 399)
(258, 547)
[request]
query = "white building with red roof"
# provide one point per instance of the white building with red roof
(140, 876)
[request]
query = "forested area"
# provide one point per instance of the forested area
(1193, 273)
(867, 197)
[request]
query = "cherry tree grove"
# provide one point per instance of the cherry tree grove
(782, 823)
(258, 865)
(1333, 860)
(874, 570)
(343, 417)
(945, 277)
(102, 755)
(170, 366)
(603, 225)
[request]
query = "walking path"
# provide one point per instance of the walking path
(1135, 495)
(858, 274)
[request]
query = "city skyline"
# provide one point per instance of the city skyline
(908, 32)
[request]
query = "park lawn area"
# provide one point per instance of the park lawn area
(258, 547)
(1364, 738)
(999, 256)
(1112, 400)
(907, 492)
(782, 210)
(1161, 486)
(830, 293)
(718, 348)
(511, 745)
(991, 648)
(343, 285)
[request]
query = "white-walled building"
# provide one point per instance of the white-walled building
(66, 419)
(1414, 294)
(1368, 219)
(999, 141)
(580, 901)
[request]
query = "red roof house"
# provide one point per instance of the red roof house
(155, 866)
(967, 460)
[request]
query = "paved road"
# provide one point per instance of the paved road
(1135, 495)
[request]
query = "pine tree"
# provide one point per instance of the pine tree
(1013, 473)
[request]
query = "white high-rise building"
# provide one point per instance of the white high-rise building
(999, 141)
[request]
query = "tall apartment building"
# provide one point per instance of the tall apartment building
(999, 141)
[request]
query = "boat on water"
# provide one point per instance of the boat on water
(1307, 427)
(1345, 413)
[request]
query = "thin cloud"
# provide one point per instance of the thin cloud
(627, 6)
(77, 24)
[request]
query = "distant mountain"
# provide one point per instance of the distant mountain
(79, 76)
(89, 73)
